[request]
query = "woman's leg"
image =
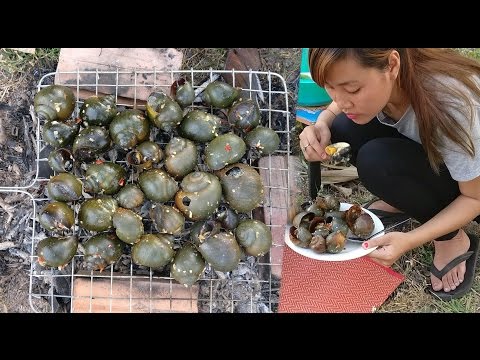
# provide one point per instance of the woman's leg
(397, 170)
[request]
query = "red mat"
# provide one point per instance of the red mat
(353, 286)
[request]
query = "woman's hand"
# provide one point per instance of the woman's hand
(390, 247)
(313, 141)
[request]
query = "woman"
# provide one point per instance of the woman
(412, 119)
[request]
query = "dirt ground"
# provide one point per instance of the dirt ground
(17, 164)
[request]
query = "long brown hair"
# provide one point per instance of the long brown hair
(431, 100)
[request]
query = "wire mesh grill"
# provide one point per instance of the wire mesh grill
(127, 287)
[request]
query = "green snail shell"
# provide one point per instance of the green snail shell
(97, 214)
(163, 112)
(330, 202)
(54, 102)
(157, 185)
(58, 134)
(167, 219)
(129, 128)
(98, 110)
(105, 178)
(150, 151)
(188, 265)
(335, 242)
(102, 250)
(181, 157)
(130, 196)
(363, 225)
(224, 150)
(90, 143)
(242, 186)
(56, 216)
(153, 250)
(244, 114)
(200, 126)
(128, 225)
(57, 251)
(254, 236)
(183, 93)
(220, 94)
(61, 160)
(64, 187)
(221, 251)
(199, 196)
(264, 139)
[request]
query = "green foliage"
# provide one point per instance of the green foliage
(473, 53)
(14, 62)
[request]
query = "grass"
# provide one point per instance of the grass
(473, 53)
(13, 61)
(203, 58)
(17, 68)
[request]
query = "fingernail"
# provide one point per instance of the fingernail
(365, 245)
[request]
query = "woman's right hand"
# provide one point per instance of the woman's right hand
(313, 141)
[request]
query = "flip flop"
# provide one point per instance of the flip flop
(471, 260)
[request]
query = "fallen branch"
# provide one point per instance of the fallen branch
(5, 245)
(14, 198)
(16, 229)
(8, 209)
(32, 136)
(3, 136)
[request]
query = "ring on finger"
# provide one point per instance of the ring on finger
(306, 146)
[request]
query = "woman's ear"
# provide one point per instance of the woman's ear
(394, 64)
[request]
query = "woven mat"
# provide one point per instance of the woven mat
(353, 286)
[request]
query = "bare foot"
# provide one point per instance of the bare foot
(382, 205)
(446, 251)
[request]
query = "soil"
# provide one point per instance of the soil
(18, 167)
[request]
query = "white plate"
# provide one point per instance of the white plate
(352, 250)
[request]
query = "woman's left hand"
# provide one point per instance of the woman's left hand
(390, 247)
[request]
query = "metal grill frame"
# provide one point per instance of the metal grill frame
(192, 75)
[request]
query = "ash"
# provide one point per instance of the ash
(243, 290)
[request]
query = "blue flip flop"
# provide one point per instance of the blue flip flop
(471, 260)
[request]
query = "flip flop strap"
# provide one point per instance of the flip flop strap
(440, 273)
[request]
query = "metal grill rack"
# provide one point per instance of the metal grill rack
(253, 287)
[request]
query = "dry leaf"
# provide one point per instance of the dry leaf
(346, 192)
